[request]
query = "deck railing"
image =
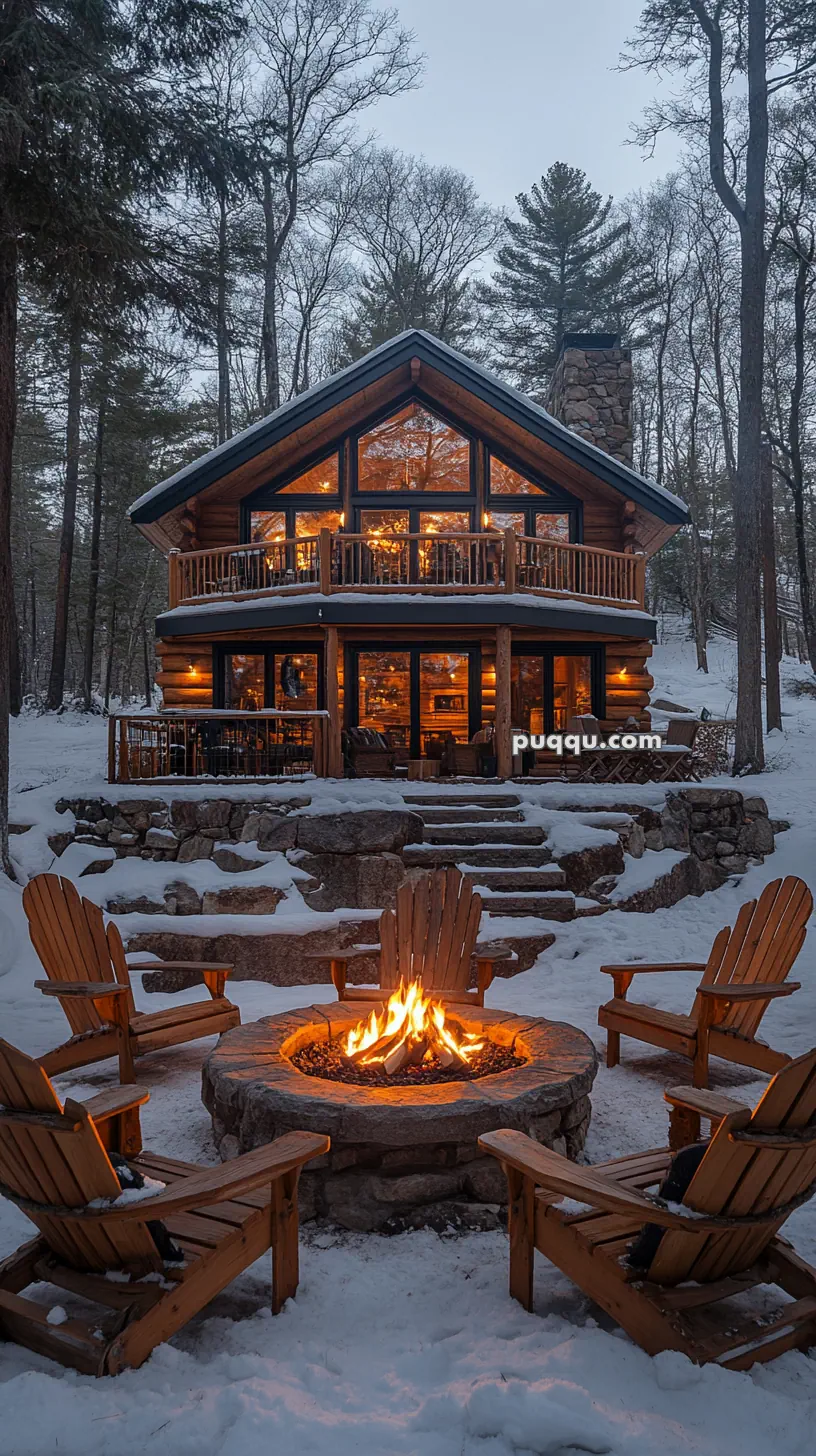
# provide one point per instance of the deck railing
(208, 743)
(497, 561)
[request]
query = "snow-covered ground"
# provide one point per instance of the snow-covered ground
(411, 1345)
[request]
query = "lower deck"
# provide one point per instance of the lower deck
(359, 701)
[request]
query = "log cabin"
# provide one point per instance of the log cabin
(402, 565)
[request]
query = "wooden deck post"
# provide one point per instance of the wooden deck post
(504, 747)
(325, 553)
(334, 747)
(124, 752)
(640, 578)
(509, 560)
(173, 577)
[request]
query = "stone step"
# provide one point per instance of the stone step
(560, 905)
(507, 834)
(486, 801)
(474, 814)
(549, 877)
(431, 856)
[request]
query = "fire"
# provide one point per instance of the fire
(410, 1029)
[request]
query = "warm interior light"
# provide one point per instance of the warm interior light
(342, 518)
(410, 1029)
(192, 669)
(486, 519)
(623, 674)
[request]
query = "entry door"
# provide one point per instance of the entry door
(444, 697)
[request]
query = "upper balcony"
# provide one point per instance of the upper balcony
(433, 564)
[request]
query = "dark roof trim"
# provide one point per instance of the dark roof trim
(414, 343)
(390, 611)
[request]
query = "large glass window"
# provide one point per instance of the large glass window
(322, 479)
(504, 480)
(444, 523)
(268, 526)
(507, 521)
(384, 685)
(244, 678)
(413, 450)
(549, 689)
(295, 680)
(527, 694)
(384, 523)
(553, 525)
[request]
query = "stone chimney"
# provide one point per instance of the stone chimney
(591, 392)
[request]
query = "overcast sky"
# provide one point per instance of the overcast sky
(513, 85)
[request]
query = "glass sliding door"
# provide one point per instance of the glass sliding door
(419, 697)
(444, 686)
(244, 681)
(572, 689)
(384, 694)
(549, 687)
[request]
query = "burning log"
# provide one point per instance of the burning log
(410, 1030)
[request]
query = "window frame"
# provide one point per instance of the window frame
(548, 651)
(556, 501)
(268, 651)
(442, 499)
(268, 498)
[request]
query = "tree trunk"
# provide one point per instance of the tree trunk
(148, 675)
(8, 410)
(770, 604)
(93, 568)
(749, 755)
(111, 630)
(269, 326)
(56, 681)
(222, 328)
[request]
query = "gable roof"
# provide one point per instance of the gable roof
(412, 344)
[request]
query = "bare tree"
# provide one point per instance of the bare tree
(324, 62)
(765, 45)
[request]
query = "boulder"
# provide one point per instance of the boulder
(183, 813)
(135, 905)
(181, 899)
(196, 847)
(58, 843)
(163, 839)
(369, 831)
(281, 959)
(242, 900)
(711, 798)
(755, 837)
(233, 863)
(273, 831)
(689, 876)
(98, 866)
(359, 881)
(583, 866)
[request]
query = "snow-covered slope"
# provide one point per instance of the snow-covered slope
(410, 1346)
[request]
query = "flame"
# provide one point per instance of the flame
(411, 1028)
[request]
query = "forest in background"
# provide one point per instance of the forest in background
(209, 226)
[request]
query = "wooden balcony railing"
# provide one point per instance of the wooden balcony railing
(498, 561)
(208, 743)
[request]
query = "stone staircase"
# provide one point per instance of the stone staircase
(486, 836)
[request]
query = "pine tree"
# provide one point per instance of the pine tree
(408, 300)
(565, 267)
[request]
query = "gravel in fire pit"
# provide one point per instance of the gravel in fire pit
(325, 1059)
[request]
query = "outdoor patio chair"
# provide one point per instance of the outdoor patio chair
(88, 973)
(65, 1167)
(745, 971)
(431, 938)
(694, 1290)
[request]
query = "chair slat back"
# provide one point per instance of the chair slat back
(68, 934)
(763, 945)
(56, 1157)
(681, 732)
(432, 935)
(740, 1178)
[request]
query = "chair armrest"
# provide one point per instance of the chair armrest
(180, 966)
(497, 950)
(114, 1101)
(713, 1106)
(756, 991)
(89, 990)
(635, 968)
(217, 1185)
(342, 952)
(558, 1175)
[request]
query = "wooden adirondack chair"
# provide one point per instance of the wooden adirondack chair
(54, 1166)
(88, 973)
(430, 938)
(745, 971)
(758, 1167)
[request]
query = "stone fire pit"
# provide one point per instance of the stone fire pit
(402, 1156)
